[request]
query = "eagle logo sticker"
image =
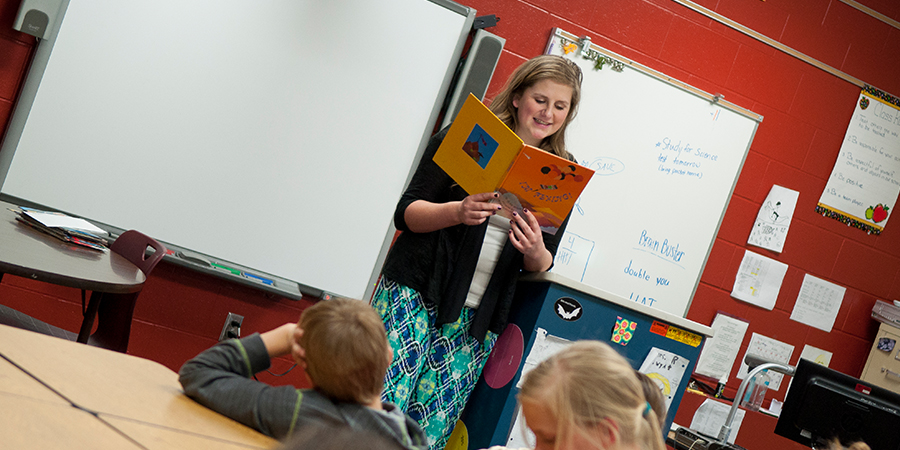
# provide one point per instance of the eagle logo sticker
(568, 309)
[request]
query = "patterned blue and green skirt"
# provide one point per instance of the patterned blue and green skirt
(434, 369)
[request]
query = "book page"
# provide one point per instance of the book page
(478, 148)
(58, 220)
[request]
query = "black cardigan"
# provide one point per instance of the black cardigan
(440, 264)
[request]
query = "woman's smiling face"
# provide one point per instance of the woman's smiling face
(541, 110)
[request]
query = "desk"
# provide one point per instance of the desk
(36, 424)
(32, 254)
(140, 398)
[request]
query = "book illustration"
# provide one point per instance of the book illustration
(544, 188)
(482, 154)
(480, 146)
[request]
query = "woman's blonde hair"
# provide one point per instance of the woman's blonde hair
(587, 383)
(544, 67)
(347, 352)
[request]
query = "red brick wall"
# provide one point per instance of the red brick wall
(806, 112)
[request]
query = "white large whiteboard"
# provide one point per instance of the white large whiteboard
(276, 134)
(667, 158)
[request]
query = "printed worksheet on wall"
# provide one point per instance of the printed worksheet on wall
(758, 280)
(711, 415)
(770, 350)
(720, 351)
(818, 303)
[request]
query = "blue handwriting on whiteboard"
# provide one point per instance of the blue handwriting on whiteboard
(642, 300)
(640, 274)
(685, 160)
(665, 249)
(605, 166)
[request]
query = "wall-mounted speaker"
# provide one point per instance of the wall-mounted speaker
(39, 18)
(476, 72)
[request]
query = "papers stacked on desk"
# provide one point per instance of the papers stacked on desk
(67, 228)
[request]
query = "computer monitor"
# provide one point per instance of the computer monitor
(823, 404)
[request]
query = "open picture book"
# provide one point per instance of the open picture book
(482, 154)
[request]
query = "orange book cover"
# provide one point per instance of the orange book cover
(482, 154)
(545, 184)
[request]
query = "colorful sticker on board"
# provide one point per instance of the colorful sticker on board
(676, 334)
(505, 358)
(459, 438)
(886, 344)
(623, 331)
(568, 309)
(659, 328)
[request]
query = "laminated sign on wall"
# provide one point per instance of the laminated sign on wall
(865, 182)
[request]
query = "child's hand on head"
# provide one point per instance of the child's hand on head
(297, 351)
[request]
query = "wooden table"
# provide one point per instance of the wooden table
(138, 398)
(29, 253)
(36, 424)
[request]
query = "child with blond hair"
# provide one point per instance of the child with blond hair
(587, 397)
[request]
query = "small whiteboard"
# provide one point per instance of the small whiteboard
(667, 157)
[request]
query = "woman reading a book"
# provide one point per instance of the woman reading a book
(447, 285)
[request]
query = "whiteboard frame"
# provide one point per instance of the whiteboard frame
(718, 99)
(288, 288)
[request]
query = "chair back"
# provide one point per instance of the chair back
(133, 246)
(114, 312)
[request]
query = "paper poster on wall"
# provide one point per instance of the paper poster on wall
(818, 303)
(666, 369)
(720, 351)
(758, 280)
(770, 350)
(865, 182)
(520, 436)
(545, 345)
(774, 219)
(816, 355)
